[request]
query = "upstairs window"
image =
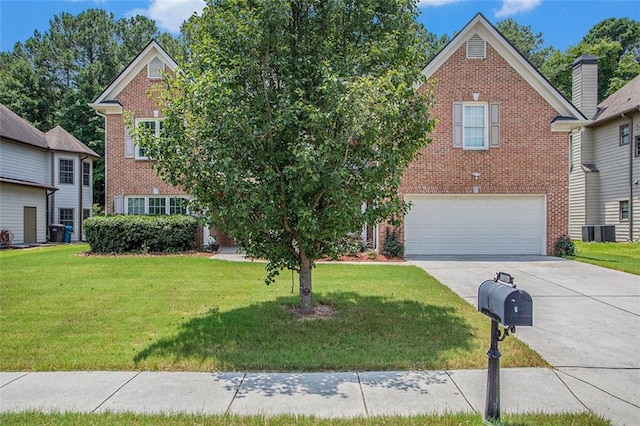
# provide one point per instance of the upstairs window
(86, 174)
(624, 134)
(65, 171)
(155, 68)
(474, 134)
(156, 128)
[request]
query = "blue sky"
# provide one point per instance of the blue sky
(562, 22)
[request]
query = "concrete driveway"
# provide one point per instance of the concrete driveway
(586, 322)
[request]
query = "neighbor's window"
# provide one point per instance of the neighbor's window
(135, 205)
(86, 213)
(157, 205)
(637, 146)
(86, 174)
(66, 217)
(624, 134)
(624, 210)
(65, 171)
(475, 126)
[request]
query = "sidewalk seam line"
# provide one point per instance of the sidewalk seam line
(17, 378)
(571, 390)
(448, 373)
(596, 387)
(115, 392)
(364, 401)
(235, 393)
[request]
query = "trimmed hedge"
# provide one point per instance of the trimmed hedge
(135, 233)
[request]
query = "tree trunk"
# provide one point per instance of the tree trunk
(306, 301)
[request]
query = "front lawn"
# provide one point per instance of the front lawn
(61, 310)
(621, 256)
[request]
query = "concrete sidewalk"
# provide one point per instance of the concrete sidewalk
(348, 394)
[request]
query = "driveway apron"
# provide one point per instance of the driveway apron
(586, 322)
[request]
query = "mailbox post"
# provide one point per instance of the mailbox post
(504, 304)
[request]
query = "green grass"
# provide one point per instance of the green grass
(621, 256)
(31, 418)
(61, 310)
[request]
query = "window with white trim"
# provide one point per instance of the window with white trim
(65, 171)
(135, 205)
(474, 130)
(153, 125)
(624, 210)
(624, 134)
(156, 205)
(66, 217)
(86, 174)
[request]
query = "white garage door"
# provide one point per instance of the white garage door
(475, 224)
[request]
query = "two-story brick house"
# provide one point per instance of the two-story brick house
(494, 179)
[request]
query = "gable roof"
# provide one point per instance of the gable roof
(106, 102)
(624, 100)
(59, 139)
(16, 128)
(481, 26)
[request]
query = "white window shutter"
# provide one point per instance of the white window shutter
(118, 204)
(494, 125)
(457, 124)
(129, 146)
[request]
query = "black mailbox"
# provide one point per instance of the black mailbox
(505, 303)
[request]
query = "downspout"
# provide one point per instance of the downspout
(106, 193)
(52, 211)
(631, 148)
(80, 193)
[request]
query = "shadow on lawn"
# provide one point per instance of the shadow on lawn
(368, 333)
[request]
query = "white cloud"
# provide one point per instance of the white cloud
(511, 7)
(170, 14)
(436, 2)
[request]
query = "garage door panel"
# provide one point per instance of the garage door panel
(475, 225)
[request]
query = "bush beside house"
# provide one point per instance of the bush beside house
(135, 233)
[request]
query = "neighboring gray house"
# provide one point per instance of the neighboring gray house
(45, 178)
(604, 176)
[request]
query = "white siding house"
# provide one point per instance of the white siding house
(35, 191)
(604, 176)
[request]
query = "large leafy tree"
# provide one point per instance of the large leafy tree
(294, 120)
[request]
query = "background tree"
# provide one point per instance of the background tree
(523, 39)
(50, 79)
(293, 122)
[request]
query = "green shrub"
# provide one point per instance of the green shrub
(135, 233)
(392, 247)
(564, 247)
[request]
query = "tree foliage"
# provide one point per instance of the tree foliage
(294, 120)
(523, 39)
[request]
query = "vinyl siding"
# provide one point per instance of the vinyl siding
(68, 195)
(613, 162)
(13, 199)
(577, 191)
(24, 162)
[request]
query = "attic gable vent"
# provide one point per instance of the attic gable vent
(476, 47)
(155, 68)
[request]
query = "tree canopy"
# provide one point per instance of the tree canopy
(294, 120)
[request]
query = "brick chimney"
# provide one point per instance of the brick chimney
(585, 85)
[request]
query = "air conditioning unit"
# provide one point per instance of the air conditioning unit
(588, 234)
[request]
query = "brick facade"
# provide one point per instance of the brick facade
(530, 160)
